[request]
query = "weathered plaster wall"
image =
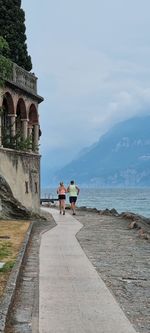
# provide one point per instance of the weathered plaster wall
(22, 172)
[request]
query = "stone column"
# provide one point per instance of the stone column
(1, 112)
(24, 128)
(0, 130)
(36, 137)
(30, 127)
(12, 125)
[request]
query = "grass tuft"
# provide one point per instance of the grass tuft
(7, 267)
(5, 250)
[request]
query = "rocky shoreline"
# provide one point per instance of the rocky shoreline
(139, 222)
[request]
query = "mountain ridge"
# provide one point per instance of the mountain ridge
(121, 157)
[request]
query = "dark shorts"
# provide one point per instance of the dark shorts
(61, 197)
(73, 199)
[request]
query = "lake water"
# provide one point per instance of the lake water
(123, 200)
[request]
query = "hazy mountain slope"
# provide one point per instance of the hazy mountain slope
(121, 157)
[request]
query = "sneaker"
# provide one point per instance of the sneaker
(64, 212)
(74, 213)
(60, 212)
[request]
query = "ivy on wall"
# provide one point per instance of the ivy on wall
(16, 142)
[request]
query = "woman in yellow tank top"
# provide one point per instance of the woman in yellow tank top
(73, 191)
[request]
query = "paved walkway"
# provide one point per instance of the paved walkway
(73, 298)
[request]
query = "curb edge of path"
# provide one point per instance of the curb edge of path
(12, 282)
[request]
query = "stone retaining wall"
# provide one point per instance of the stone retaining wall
(22, 172)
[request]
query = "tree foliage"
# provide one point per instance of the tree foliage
(12, 29)
(5, 63)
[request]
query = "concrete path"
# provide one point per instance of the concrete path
(73, 298)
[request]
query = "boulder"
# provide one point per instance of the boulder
(9, 206)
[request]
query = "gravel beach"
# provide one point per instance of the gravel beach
(119, 249)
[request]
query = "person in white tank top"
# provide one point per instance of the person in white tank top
(73, 191)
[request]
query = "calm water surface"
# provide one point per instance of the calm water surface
(133, 200)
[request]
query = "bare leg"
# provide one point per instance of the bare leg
(63, 206)
(73, 207)
(60, 206)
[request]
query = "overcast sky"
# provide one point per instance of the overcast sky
(92, 59)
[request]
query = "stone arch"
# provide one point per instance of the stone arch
(8, 103)
(21, 115)
(7, 119)
(33, 115)
(33, 127)
(21, 109)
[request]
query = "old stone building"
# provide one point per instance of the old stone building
(19, 137)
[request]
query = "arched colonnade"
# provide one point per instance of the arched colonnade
(19, 119)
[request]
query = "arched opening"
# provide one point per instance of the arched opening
(7, 120)
(8, 102)
(33, 127)
(21, 125)
(33, 115)
(21, 114)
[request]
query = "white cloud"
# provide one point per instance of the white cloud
(92, 59)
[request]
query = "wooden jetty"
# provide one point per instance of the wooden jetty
(48, 200)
